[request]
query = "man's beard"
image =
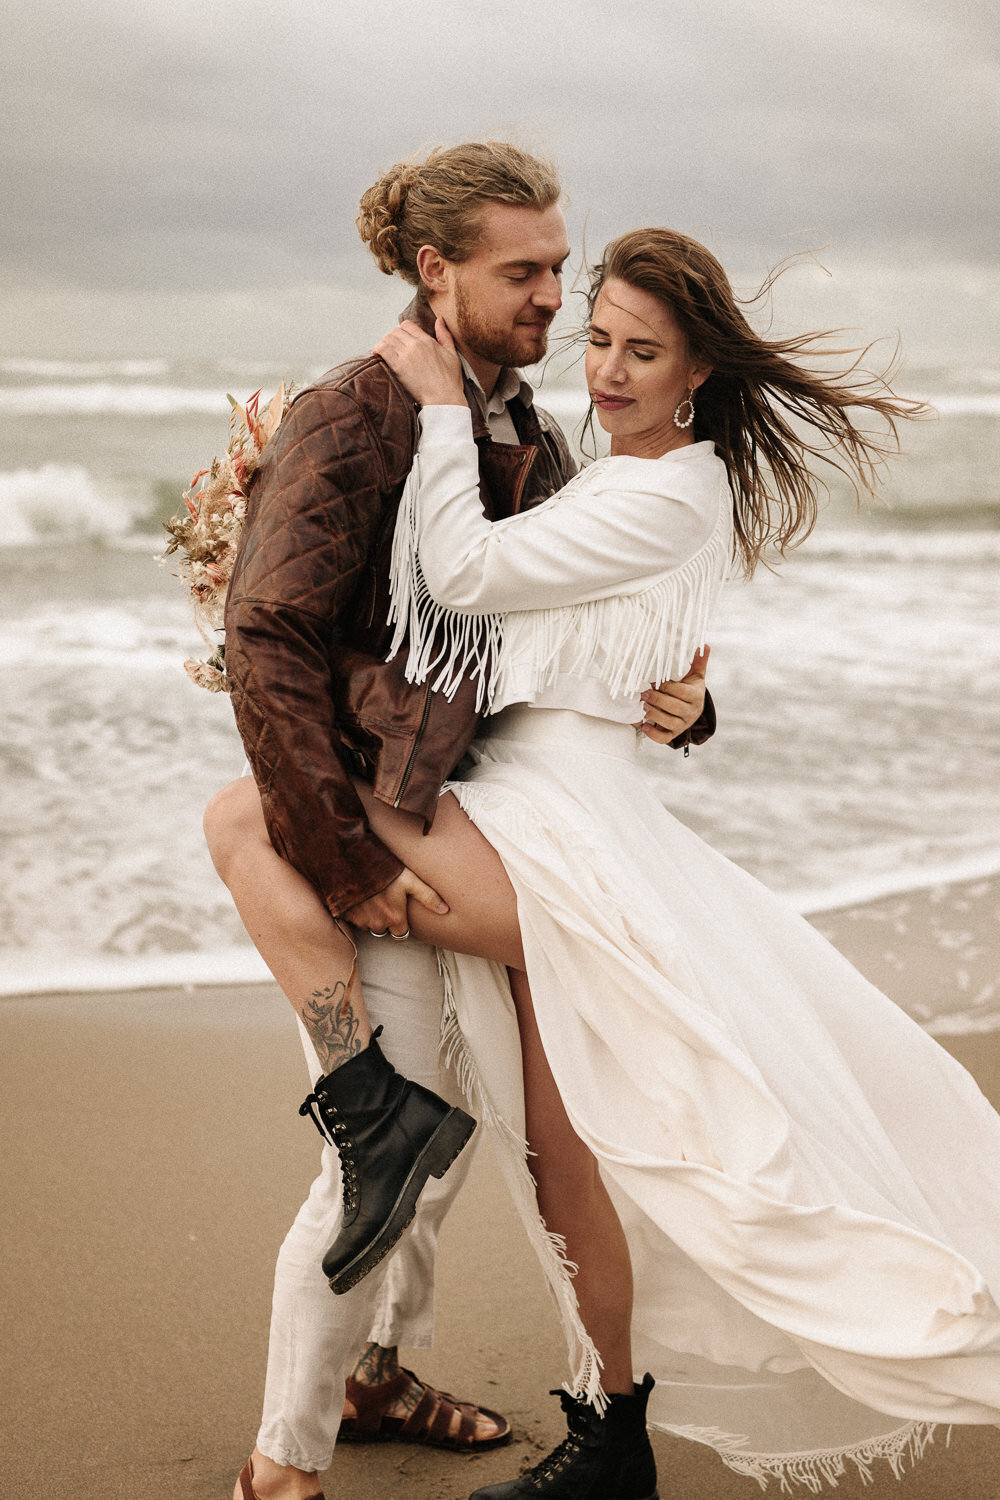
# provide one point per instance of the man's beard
(501, 346)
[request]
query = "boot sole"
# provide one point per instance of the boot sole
(434, 1160)
(653, 1495)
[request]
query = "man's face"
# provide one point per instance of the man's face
(499, 303)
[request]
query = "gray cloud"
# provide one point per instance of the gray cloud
(185, 146)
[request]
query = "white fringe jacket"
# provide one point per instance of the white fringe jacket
(610, 582)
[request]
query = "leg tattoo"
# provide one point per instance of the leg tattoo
(329, 1018)
(378, 1365)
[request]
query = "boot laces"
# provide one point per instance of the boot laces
(557, 1461)
(572, 1445)
(325, 1116)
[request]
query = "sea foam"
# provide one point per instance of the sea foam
(36, 974)
(106, 398)
(865, 889)
(57, 502)
(85, 369)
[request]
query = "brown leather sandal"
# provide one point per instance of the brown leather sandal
(246, 1483)
(429, 1423)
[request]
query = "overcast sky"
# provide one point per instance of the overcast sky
(179, 153)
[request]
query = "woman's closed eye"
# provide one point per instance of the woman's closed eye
(603, 344)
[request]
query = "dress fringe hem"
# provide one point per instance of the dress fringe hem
(812, 1471)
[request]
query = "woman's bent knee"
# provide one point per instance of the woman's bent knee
(232, 821)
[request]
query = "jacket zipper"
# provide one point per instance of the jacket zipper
(416, 745)
(527, 459)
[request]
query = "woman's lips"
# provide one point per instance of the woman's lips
(611, 403)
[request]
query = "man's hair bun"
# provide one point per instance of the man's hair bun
(380, 214)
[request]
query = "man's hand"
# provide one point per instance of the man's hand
(386, 912)
(675, 706)
(429, 368)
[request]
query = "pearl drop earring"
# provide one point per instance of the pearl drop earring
(689, 402)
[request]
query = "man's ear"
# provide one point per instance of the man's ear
(433, 268)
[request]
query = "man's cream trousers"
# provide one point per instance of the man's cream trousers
(316, 1337)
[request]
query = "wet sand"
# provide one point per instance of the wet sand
(151, 1166)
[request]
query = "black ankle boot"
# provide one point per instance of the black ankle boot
(391, 1135)
(605, 1457)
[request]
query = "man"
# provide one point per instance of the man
(479, 231)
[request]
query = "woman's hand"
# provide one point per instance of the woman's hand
(429, 367)
(385, 913)
(675, 706)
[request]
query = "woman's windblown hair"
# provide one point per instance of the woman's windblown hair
(760, 393)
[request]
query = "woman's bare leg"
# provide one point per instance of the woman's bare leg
(306, 950)
(572, 1197)
(574, 1203)
(456, 861)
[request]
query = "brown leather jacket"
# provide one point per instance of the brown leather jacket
(306, 632)
(306, 621)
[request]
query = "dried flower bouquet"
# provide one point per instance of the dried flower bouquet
(205, 535)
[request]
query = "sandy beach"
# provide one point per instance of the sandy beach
(152, 1161)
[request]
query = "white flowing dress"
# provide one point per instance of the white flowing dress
(809, 1184)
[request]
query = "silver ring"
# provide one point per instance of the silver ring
(379, 934)
(400, 937)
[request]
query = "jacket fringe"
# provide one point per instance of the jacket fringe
(626, 641)
(460, 645)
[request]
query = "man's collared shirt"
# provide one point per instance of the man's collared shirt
(493, 409)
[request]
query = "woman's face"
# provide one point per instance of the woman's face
(639, 369)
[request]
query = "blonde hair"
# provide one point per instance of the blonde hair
(439, 201)
(752, 404)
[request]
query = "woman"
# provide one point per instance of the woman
(726, 1069)
(704, 1078)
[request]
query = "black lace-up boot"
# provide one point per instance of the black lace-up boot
(602, 1457)
(391, 1136)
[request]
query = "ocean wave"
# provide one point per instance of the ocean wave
(570, 406)
(959, 375)
(56, 503)
(947, 541)
(247, 375)
(129, 388)
(35, 973)
(148, 637)
(868, 888)
(104, 398)
(85, 369)
(967, 404)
